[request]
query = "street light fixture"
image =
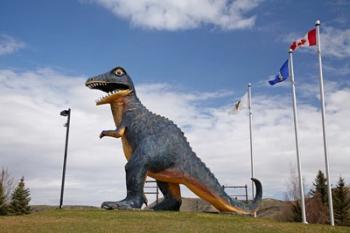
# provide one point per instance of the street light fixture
(65, 113)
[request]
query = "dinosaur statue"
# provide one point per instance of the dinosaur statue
(154, 146)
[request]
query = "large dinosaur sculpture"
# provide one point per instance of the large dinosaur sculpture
(154, 146)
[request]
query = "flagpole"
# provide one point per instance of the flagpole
(330, 201)
(251, 134)
(251, 138)
(295, 114)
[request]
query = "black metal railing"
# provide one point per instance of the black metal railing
(151, 188)
(239, 196)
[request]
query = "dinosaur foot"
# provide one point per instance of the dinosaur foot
(126, 204)
(169, 204)
(112, 205)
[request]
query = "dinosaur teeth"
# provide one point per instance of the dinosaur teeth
(107, 95)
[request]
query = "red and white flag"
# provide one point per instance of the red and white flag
(308, 40)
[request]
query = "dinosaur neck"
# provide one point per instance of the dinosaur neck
(122, 105)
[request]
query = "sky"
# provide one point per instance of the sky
(190, 60)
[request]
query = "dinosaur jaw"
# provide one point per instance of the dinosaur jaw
(114, 91)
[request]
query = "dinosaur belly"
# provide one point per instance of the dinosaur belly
(168, 175)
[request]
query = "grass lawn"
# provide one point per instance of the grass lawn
(97, 220)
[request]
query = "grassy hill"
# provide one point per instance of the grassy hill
(97, 220)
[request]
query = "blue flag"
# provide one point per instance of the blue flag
(282, 75)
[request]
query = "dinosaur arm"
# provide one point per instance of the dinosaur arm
(117, 133)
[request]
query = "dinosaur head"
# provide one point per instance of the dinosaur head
(116, 83)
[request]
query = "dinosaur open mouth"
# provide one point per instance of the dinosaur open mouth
(112, 89)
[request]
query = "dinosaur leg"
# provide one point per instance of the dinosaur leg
(113, 133)
(136, 170)
(172, 196)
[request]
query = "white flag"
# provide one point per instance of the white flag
(240, 104)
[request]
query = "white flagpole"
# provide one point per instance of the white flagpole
(251, 134)
(251, 137)
(330, 201)
(295, 114)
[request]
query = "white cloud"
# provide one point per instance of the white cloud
(184, 14)
(335, 42)
(32, 136)
(338, 70)
(9, 44)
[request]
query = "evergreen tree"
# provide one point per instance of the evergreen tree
(320, 188)
(20, 199)
(341, 199)
(3, 206)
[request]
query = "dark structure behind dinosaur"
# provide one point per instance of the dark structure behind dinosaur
(154, 146)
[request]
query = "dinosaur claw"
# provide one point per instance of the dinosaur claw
(106, 206)
(102, 134)
(115, 205)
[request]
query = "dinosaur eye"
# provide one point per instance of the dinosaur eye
(119, 72)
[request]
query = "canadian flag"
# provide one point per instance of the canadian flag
(308, 40)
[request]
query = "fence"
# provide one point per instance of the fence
(151, 188)
(238, 196)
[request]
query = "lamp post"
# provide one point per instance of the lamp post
(65, 113)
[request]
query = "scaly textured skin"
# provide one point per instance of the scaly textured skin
(154, 146)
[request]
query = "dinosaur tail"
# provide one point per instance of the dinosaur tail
(254, 205)
(202, 182)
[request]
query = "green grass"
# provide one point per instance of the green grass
(96, 220)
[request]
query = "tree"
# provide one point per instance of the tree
(6, 186)
(292, 210)
(317, 210)
(320, 188)
(20, 199)
(3, 206)
(341, 199)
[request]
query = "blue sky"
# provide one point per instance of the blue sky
(189, 61)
